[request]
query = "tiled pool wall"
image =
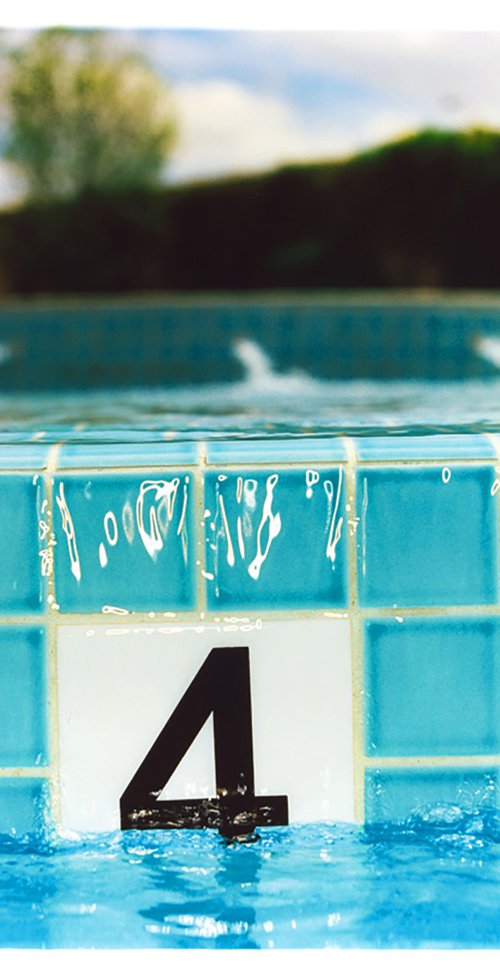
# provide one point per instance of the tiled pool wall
(54, 345)
(362, 575)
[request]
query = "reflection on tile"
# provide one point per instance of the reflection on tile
(427, 535)
(124, 541)
(276, 538)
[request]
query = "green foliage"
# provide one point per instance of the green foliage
(84, 116)
(420, 212)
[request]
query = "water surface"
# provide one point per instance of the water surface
(432, 883)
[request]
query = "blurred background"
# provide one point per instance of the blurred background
(196, 207)
(220, 160)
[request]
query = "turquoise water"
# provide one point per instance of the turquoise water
(263, 404)
(431, 883)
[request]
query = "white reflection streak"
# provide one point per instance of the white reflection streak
(163, 491)
(274, 527)
(69, 530)
(182, 527)
(335, 528)
(229, 542)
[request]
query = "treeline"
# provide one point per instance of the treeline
(424, 211)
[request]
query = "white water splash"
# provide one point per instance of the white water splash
(256, 363)
(260, 375)
(488, 347)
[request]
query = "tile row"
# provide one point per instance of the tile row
(431, 688)
(116, 448)
(258, 537)
(430, 701)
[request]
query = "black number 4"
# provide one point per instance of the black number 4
(222, 687)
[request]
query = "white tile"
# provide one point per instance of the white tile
(119, 685)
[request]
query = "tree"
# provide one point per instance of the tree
(83, 115)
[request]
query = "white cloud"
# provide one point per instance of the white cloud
(226, 127)
(416, 66)
(421, 67)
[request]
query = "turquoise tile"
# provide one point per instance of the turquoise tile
(23, 805)
(276, 538)
(429, 447)
(124, 541)
(427, 535)
(23, 697)
(32, 457)
(432, 687)
(129, 454)
(396, 793)
(21, 584)
(276, 450)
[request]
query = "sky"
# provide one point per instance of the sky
(248, 100)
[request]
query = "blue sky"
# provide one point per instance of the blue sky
(249, 100)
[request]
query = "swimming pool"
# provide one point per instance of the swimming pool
(261, 609)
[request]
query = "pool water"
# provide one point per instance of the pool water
(264, 402)
(431, 883)
(284, 406)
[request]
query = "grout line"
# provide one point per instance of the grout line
(474, 760)
(140, 470)
(356, 636)
(199, 532)
(443, 761)
(54, 751)
(495, 441)
(379, 463)
(437, 611)
(225, 614)
(28, 620)
(228, 614)
(272, 465)
(424, 462)
(247, 464)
